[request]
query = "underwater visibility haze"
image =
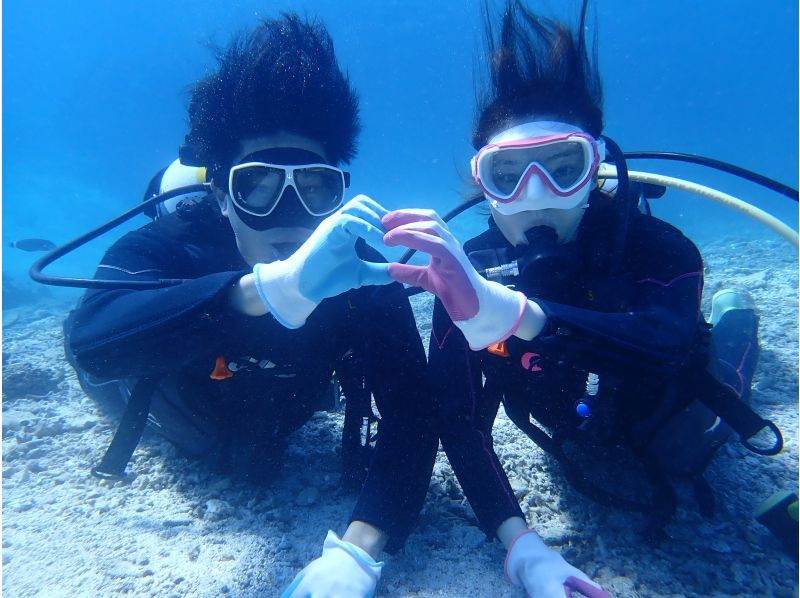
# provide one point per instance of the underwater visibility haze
(95, 101)
(94, 104)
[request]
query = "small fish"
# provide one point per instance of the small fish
(33, 245)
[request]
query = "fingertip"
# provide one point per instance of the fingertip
(374, 273)
(411, 275)
(363, 211)
(390, 239)
(397, 218)
(359, 225)
(377, 207)
(390, 219)
(585, 586)
(394, 268)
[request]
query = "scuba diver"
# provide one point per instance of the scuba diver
(242, 305)
(574, 308)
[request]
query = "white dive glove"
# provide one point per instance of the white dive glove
(325, 265)
(343, 571)
(544, 573)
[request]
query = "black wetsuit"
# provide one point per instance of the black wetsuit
(629, 313)
(279, 375)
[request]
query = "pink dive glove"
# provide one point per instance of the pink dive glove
(544, 573)
(486, 312)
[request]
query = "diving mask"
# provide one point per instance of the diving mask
(256, 186)
(537, 165)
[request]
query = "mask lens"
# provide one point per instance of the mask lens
(564, 161)
(257, 188)
(507, 168)
(321, 189)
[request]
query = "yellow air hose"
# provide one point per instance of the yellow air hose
(608, 171)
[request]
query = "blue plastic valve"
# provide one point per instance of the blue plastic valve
(583, 409)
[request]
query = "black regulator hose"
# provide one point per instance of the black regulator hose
(623, 191)
(474, 201)
(749, 175)
(615, 154)
(36, 274)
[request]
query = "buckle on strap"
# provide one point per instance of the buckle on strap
(774, 449)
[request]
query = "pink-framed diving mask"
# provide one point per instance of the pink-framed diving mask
(538, 165)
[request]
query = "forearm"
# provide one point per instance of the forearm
(396, 375)
(244, 297)
(367, 537)
(510, 529)
(532, 322)
(466, 412)
(394, 492)
(481, 477)
(131, 332)
(134, 333)
(652, 337)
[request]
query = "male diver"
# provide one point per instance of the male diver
(280, 290)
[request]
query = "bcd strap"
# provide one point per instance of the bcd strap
(359, 420)
(737, 414)
(129, 431)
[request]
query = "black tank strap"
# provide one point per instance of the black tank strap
(129, 432)
(360, 423)
(737, 414)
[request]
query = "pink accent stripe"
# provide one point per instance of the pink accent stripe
(736, 392)
(744, 357)
(444, 339)
(508, 551)
(738, 371)
(676, 279)
(536, 141)
(472, 393)
(667, 284)
(529, 143)
(502, 478)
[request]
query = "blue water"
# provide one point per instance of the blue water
(95, 99)
(95, 95)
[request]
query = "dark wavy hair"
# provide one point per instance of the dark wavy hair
(281, 76)
(537, 66)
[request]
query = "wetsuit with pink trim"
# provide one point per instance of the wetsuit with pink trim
(628, 312)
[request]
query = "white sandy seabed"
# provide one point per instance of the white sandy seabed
(179, 530)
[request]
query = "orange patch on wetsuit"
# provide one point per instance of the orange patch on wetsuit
(498, 349)
(221, 371)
